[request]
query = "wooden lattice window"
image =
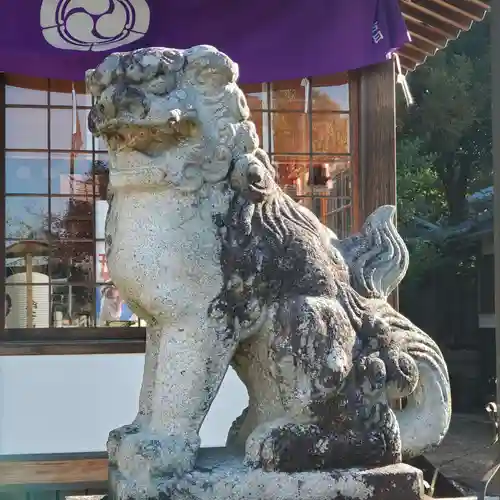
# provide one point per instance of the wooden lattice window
(307, 127)
(54, 183)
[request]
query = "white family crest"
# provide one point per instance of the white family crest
(93, 25)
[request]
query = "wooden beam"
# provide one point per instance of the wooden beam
(427, 33)
(446, 6)
(68, 469)
(433, 12)
(61, 341)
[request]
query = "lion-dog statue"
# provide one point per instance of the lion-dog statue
(227, 270)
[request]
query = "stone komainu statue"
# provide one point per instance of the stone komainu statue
(228, 270)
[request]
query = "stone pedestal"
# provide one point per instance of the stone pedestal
(222, 476)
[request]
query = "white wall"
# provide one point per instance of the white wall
(60, 404)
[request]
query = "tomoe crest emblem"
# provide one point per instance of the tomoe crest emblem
(93, 25)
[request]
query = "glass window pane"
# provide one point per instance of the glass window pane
(293, 173)
(27, 305)
(112, 310)
(260, 120)
(321, 175)
(330, 133)
(102, 271)
(101, 175)
(26, 128)
(256, 95)
(72, 217)
(71, 174)
(72, 306)
(26, 217)
(64, 97)
(328, 192)
(72, 261)
(23, 96)
(26, 173)
(288, 95)
(330, 93)
(61, 130)
(24, 256)
(291, 133)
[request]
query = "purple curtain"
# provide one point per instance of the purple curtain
(270, 39)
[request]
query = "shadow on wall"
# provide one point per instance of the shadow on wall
(64, 404)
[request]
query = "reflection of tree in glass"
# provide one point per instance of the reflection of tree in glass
(19, 227)
(77, 220)
(291, 130)
(73, 234)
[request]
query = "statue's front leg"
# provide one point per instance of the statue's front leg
(116, 436)
(192, 360)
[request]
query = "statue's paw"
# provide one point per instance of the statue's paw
(151, 456)
(260, 454)
(116, 437)
(267, 445)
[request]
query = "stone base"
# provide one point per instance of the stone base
(222, 476)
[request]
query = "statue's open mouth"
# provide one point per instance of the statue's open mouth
(147, 137)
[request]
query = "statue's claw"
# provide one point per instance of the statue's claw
(148, 455)
(116, 437)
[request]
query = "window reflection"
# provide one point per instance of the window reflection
(256, 95)
(71, 175)
(26, 256)
(289, 95)
(111, 309)
(27, 305)
(25, 96)
(307, 134)
(330, 93)
(330, 133)
(55, 206)
(72, 261)
(72, 305)
(72, 217)
(26, 217)
(26, 128)
(290, 132)
(26, 173)
(55, 265)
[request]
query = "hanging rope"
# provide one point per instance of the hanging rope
(401, 79)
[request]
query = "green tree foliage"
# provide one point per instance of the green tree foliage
(444, 154)
(444, 140)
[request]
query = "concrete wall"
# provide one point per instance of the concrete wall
(51, 404)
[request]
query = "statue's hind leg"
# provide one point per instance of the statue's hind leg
(295, 447)
(325, 426)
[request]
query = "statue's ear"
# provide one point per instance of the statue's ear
(208, 68)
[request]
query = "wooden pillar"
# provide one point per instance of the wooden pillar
(377, 141)
(377, 137)
(2, 201)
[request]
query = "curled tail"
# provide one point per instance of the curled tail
(378, 260)
(424, 420)
(377, 257)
